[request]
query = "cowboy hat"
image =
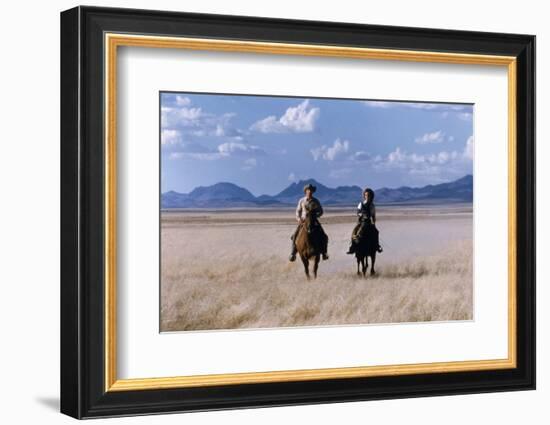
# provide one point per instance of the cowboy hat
(310, 187)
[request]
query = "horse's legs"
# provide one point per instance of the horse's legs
(365, 264)
(373, 259)
(316, 265)
(359, 261)
(306, 265)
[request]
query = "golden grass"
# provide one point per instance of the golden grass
(229, 277)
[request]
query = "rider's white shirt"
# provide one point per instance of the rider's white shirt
(301, 209)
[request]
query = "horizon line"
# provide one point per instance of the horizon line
(316, 181)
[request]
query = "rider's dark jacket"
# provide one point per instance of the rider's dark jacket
(366, 211)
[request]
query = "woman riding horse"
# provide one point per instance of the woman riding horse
(366, 216)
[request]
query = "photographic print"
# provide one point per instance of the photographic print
(255, 184)
(302, 211)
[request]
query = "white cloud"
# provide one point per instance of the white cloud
(331, 153)
(292, 177)
(174, 99)
(340, 173)
(268, 125)
(194, 121)
(434, 165)
(249, 164)
(465, 116)
(338, 148)
(234, 148)
(396, 157)
(191, 150)
(202, 156)
(361, 156)
(448, 107)
(182, 100)
(379, 104)
(170, 137)
(220, 131)
(180, 117)
(469, 149)
(296, 119)
(433, 137)
(318, 152)
(402, 159)
(426, 106)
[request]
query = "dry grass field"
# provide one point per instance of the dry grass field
(230, 269)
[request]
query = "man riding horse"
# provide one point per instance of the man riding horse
(308, 204)
(366, 216)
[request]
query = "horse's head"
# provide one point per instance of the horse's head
(310, 220)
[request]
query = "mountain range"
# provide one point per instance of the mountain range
(229, 195)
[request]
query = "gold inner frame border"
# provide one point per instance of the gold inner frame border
(111, 43)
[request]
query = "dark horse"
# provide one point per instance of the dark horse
(310, 242)
(366, 247)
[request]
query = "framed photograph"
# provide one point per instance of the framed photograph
(261, 212)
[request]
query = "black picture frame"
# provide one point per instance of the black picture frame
(83, 392)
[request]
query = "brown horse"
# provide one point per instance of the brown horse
(310, 242)
(366, 247)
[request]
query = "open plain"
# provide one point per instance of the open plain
(229, 269)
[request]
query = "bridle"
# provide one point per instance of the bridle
(310, 222)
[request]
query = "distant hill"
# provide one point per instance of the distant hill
(229, 195)
(220, 195)
(328, 196)
(460, 190)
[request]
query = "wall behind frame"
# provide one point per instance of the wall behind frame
(29, 218)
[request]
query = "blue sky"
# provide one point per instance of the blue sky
(264, 143)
